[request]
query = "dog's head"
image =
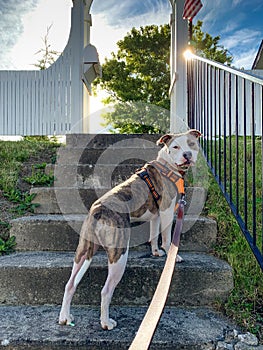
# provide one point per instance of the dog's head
(180, 150)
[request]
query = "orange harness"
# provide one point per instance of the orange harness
(176, 179)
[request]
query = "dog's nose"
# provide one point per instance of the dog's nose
(187, 155)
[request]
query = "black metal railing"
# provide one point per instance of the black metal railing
(225, 104)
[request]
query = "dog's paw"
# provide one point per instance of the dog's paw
(109, 324)
(66, 321)
(179, 258)
(159, 252)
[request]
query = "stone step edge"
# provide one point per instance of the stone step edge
(61, 233)
(105, 140)
(75, 200)
(179, 328)
(34, 278)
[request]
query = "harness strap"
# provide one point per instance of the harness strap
(176, 179)
(143, 173)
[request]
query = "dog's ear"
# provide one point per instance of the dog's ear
(195, 133)
(164, 139)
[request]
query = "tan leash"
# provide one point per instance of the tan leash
(147, 328)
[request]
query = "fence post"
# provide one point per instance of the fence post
(178, 87)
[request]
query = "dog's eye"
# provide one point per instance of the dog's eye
(191, 144)
(176, 147)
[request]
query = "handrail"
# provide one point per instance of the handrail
(238, 72)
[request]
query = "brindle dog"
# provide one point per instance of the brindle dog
(109, 220)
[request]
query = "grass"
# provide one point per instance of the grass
(17, 176)
(245, 304)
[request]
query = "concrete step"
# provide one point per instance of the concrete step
(36, 328)
(38, 278)
(110, 156)
(78, 200)
(61, 233)
(90, 175)
(102, 141)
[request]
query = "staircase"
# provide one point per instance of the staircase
(32, 280)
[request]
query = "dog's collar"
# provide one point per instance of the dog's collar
(168, 171)
(169, 167)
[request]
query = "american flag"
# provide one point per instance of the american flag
(191, 7)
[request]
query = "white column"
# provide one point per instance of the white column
(86, 96)
(178, 89)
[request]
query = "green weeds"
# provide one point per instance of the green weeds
(39, 177)
(16, 159)
(7, 246)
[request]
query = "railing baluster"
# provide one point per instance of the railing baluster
(211, 117)
(237, 147)
(230, 164)
(261, 170)
(245, 151)
(254, 233)
(215, 119)
(219, 127)
(207, 109)
(224, 134)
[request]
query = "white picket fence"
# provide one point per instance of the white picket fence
(50, 101)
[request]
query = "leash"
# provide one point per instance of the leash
(147, 328)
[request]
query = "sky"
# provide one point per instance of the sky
(23, 25)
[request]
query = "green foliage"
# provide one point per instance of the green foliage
(138, 118)
(139, 73)
(12, 157)
(39, 177)
(207, 46)
(23, 199)
(140, 69)
(7, 246)
(36, 138)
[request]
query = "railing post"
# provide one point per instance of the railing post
(178, 88)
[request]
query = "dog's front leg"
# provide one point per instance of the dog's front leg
(154, 235)
(166, 228)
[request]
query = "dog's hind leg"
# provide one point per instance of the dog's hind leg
(115, 273)
(82, 262)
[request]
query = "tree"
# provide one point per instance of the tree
(49, 56)
(137, 77)
(208, 47)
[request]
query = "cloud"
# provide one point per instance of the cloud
(11, 25)
(113, 19)
(245, 59)
(243, 45)
(118, 12)
(240, 38)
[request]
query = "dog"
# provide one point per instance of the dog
(151, 198)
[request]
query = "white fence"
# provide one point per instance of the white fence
(50, 101)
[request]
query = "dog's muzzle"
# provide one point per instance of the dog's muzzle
(188, 157)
